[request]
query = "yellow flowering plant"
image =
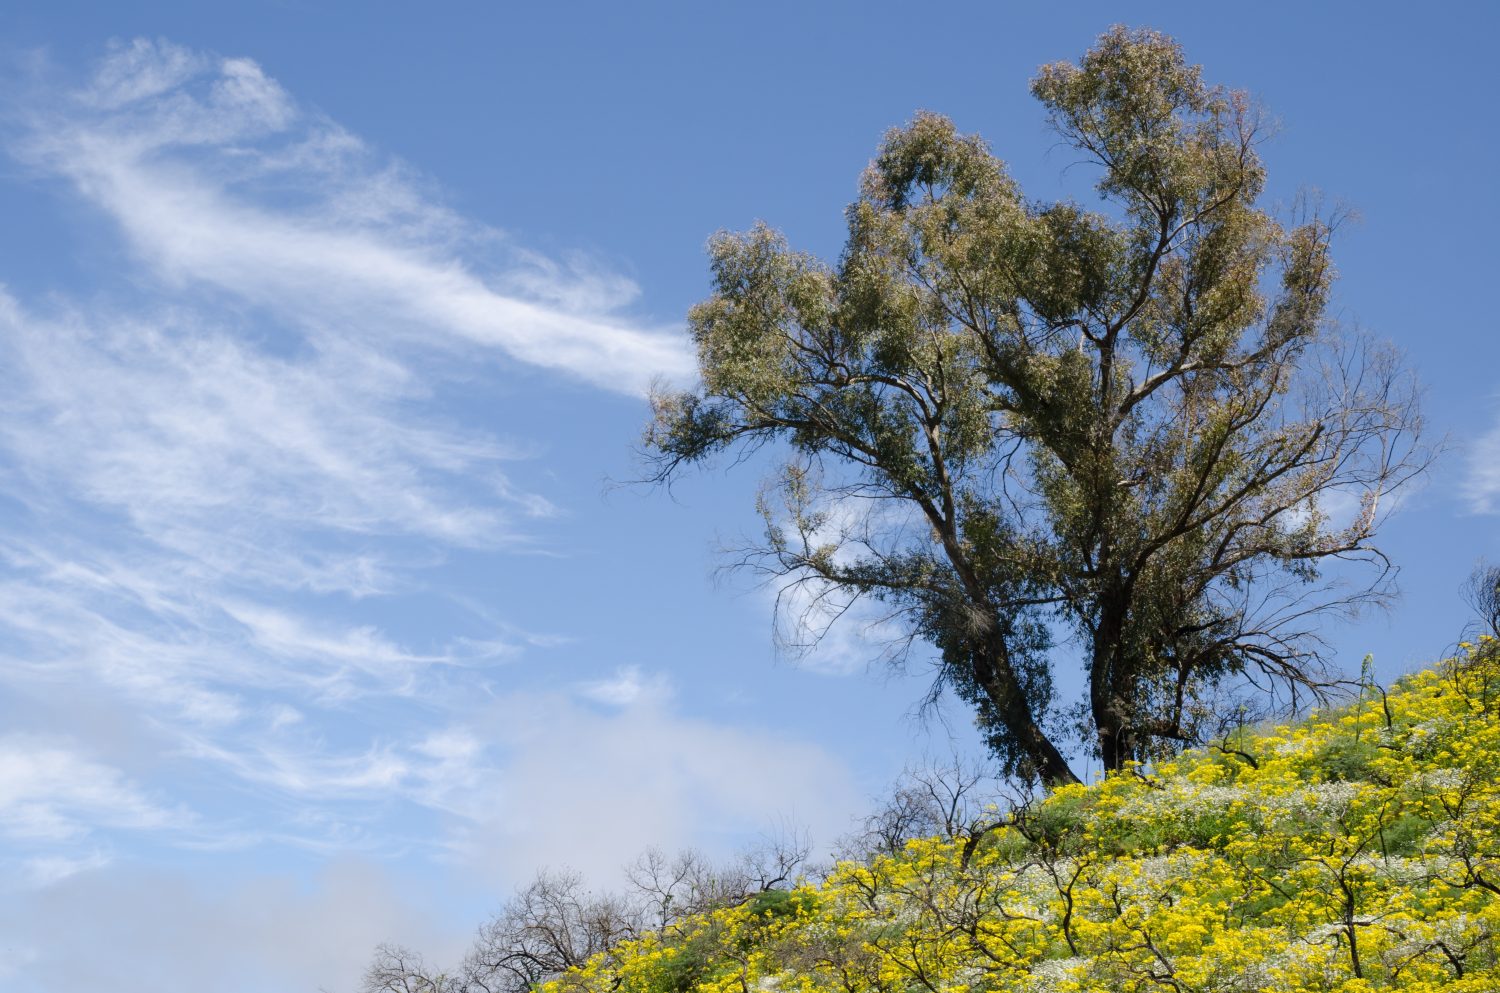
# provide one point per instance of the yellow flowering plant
(1357, 850)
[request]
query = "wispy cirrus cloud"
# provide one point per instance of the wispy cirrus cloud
(216, 176)
(50, 791)
(243, 502)
(1482, 484)
(209, 487)
(181, 426)
(629, 685)
(220, 496)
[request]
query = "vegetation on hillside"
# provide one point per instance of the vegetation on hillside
(1004, 419)
(1357, 850)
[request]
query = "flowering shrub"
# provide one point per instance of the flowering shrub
(1358, 850)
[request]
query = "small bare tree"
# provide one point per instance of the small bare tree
(400, 970)
(952, 798)
(774, 860)
(669, 888)
(552, 925)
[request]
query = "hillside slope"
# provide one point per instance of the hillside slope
(1358, 850)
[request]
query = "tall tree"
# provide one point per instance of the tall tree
(1011, 421)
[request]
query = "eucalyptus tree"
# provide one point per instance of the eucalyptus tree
(1126, 438)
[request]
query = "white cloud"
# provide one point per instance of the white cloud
(829, 631)
(196, 159)
(302, 771)
(51, 792)
(187, 506)
(184, 427)
(626, 687)
(342, 662)
(826, 628)
(189, 502)
(1482, 486)
(45, 870)
(196, 481)
(140, 70)
(590, 789)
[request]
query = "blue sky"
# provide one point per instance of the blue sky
(325, 328)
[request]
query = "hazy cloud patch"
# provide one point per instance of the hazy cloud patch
(236, 935)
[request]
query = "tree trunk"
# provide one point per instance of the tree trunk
(994, 673)
(1109, 691)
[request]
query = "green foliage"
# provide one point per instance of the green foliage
(769, 904)
(694, 960)
(1347, 760)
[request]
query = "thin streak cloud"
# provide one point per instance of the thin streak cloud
(213, 510)
(217, 177)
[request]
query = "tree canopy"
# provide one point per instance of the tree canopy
(1126, 438)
